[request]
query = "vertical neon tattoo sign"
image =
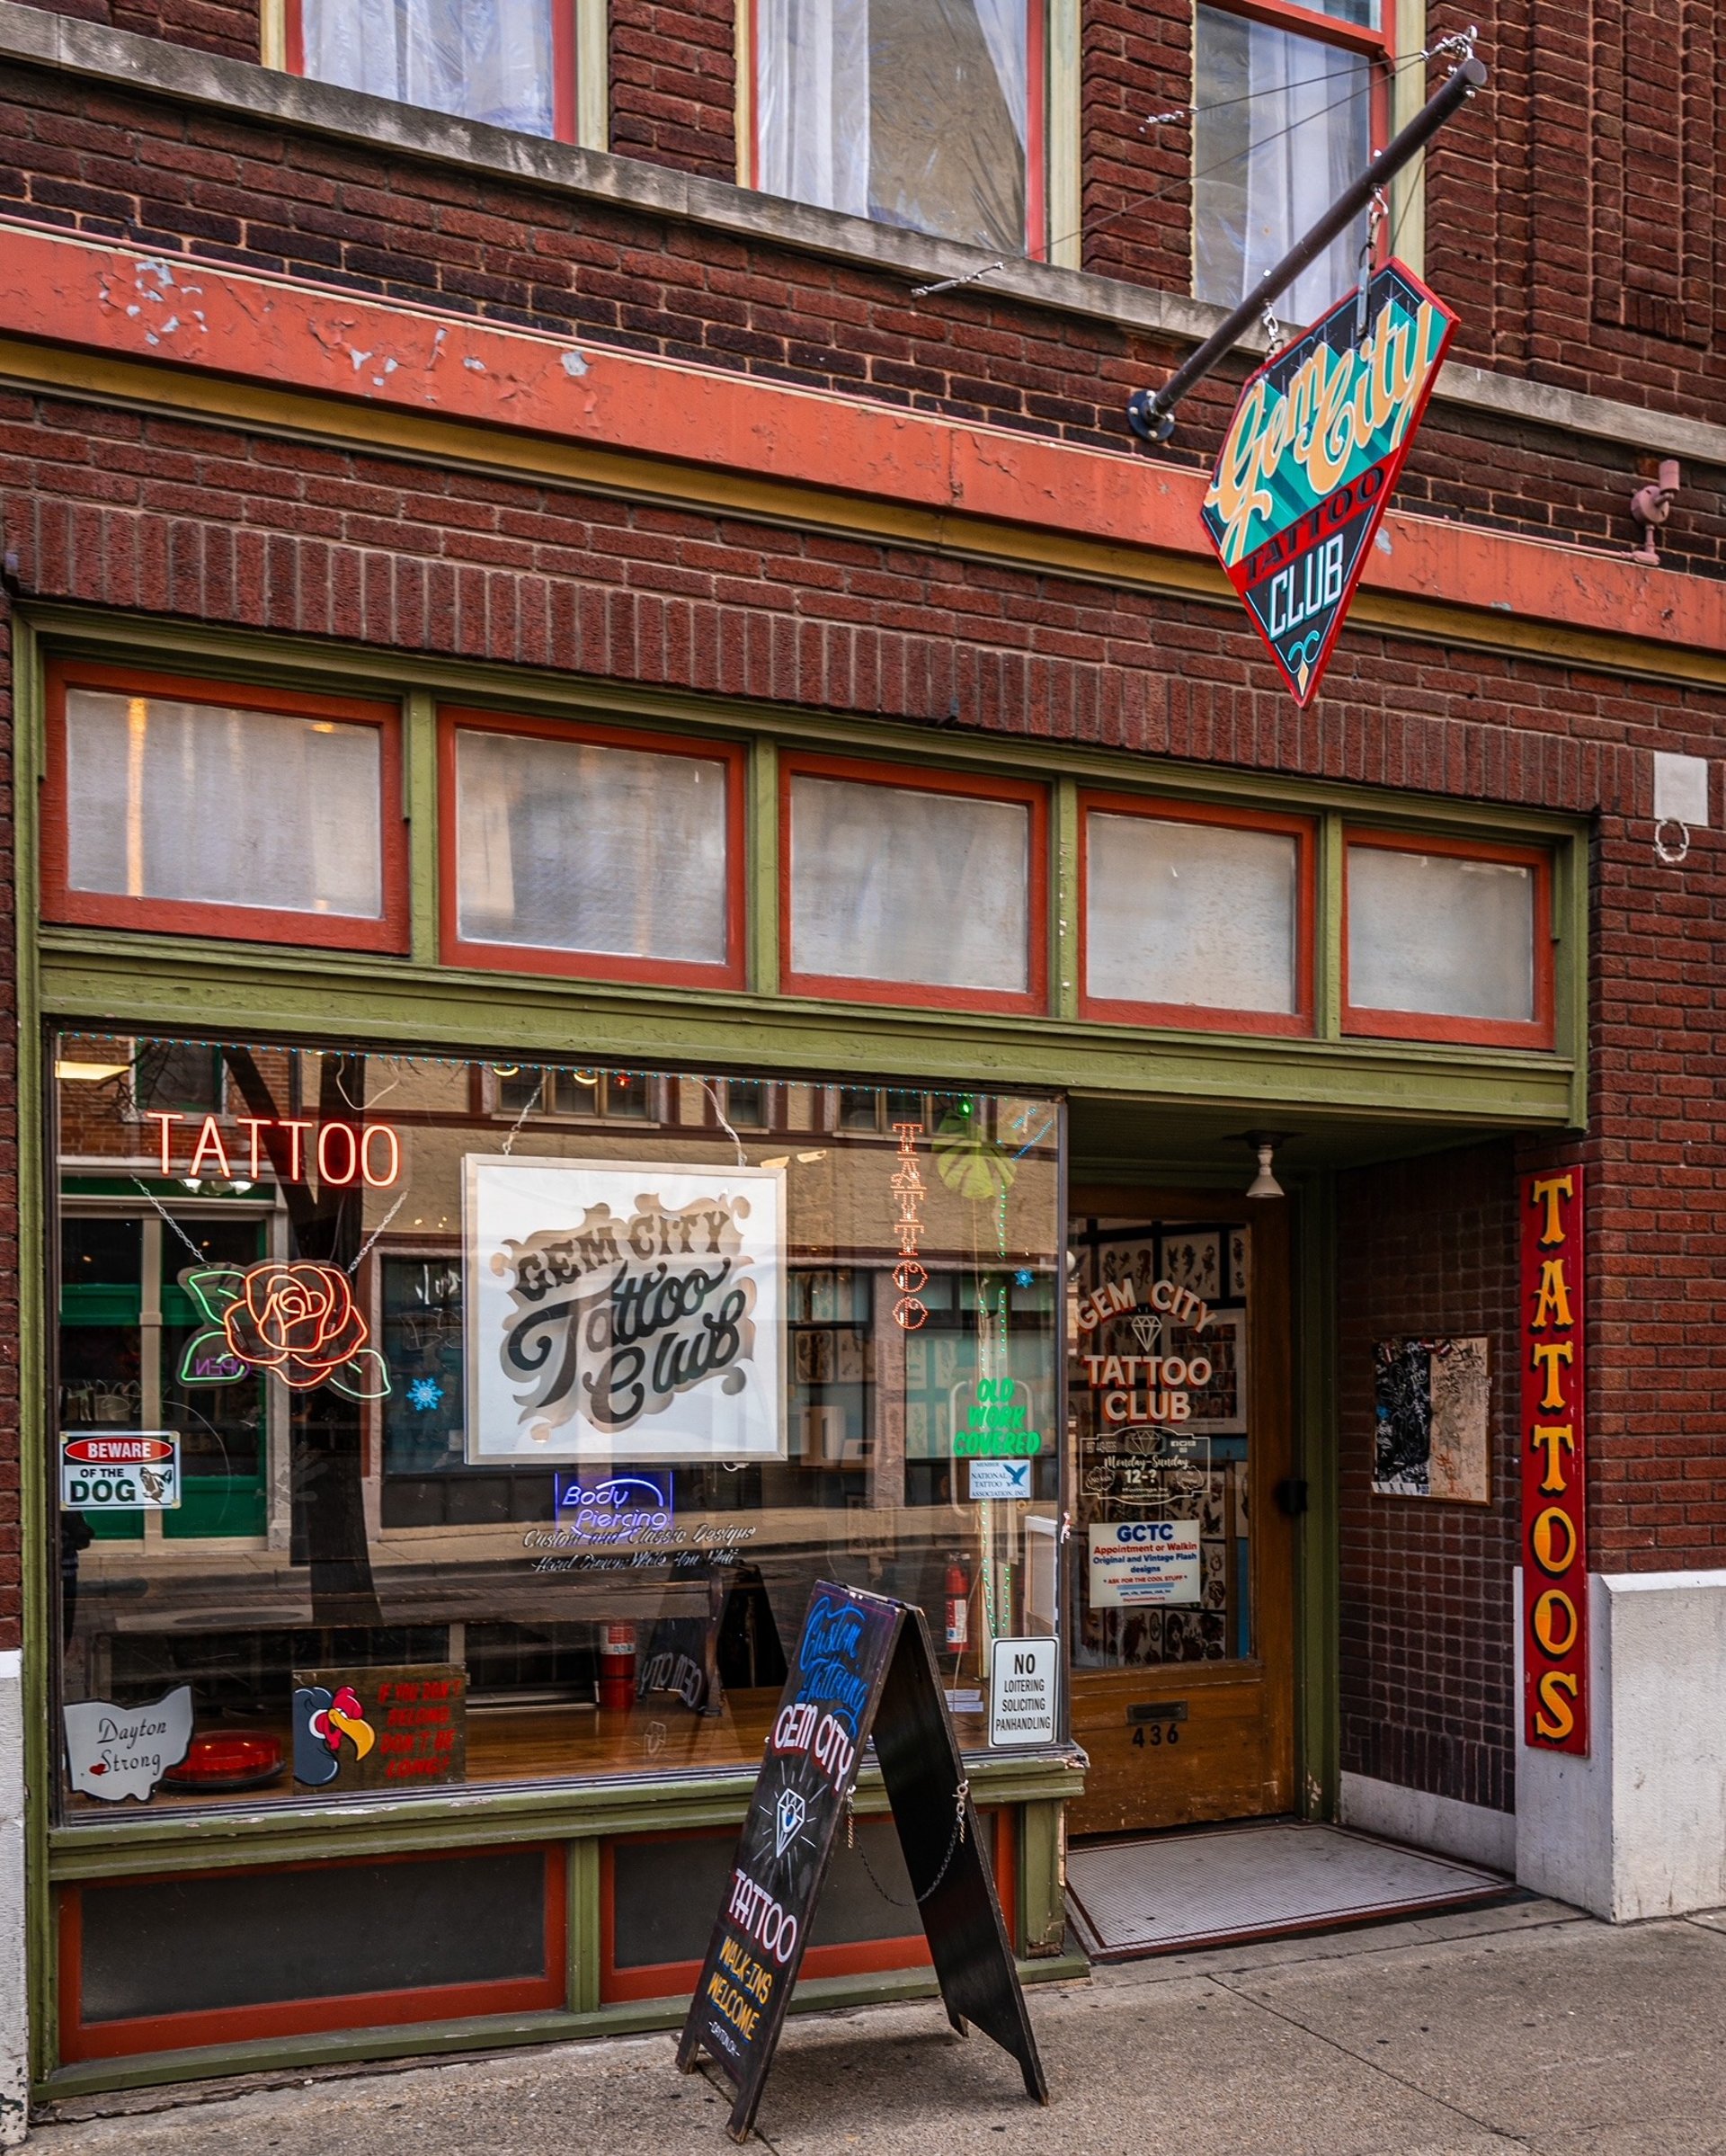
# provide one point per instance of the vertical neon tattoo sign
(910, 1276)
(1554, 1498)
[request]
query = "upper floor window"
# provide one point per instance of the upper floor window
(1289, 104)
(926, 113)
(510, 63)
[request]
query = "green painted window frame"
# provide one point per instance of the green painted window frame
(417, 996)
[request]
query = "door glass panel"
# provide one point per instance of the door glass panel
(221, 1423)
(1158, 1415)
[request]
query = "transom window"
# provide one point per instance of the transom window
(926, 113)
(1194, 915)
(912, 889)
(252, 813)
(1448, 939)
(568, 845)
(1289, 103)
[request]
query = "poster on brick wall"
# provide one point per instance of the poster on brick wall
(1554, 1508)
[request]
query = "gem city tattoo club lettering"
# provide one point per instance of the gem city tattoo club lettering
(633, 1313)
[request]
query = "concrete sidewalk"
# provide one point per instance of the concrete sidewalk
(1526, 2028)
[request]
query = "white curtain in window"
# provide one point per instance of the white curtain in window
(911, 111)
(812, 85)
(1003, 32)
(491, 62)
(1309, 135)
(1282, 123)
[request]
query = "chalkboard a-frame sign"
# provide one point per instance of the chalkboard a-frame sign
(864, 1667)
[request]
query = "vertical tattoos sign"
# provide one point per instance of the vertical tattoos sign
(1554, 1522)
(623, 1310)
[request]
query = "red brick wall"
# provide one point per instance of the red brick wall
(1428, 1247)
(674, 83)
(229, 27)
(181, 182)
(1570, 210)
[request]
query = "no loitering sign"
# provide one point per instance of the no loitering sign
(1312, 459)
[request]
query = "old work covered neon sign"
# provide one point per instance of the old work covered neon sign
(1311, 459)
(1555, 1516)
(338, 1153)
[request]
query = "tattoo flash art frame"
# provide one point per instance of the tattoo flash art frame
(623, 1310)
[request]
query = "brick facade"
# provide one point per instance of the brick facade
(108, 508)
(1428, 1247)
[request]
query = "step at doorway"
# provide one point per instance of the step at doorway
(1163, 1893)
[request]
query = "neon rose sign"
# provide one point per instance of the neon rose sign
(295, 1319)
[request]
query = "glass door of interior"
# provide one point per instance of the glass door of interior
(1179, 1426)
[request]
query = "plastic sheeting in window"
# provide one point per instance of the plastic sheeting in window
(491, 62)
(888, 883)
(1190, 914)
(911, 112)
(571, 845)
(1434, 933)
(1282, 124)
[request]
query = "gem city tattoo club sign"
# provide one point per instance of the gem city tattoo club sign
(1311, 459)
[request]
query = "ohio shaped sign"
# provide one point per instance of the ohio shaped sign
(1311, 459)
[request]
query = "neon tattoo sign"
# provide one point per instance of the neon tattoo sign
(292, 1319)
(340, 1153)
(910, 1276)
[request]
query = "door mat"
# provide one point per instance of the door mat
(1165, 1892)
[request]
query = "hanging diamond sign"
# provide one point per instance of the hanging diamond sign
(1312, 457)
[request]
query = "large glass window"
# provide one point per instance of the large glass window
(933, 887)
(175, 805)
(423, 1421)
(1448, 941)
(624, 856)
(510, 63)
(1190, 916)
(927, 113)
(1284, 120)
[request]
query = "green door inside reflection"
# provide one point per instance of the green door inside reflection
(120, 1355)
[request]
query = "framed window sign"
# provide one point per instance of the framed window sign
(623, 1311)
(1196, 916)
(591, 852)
(1447, 940)
(196, 807)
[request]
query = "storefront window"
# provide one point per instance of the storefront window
(427, 1422)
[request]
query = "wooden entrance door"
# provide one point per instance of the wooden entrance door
(1183, 1627)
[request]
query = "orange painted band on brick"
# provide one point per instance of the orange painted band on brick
(178, 312)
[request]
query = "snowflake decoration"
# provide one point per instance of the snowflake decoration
(426, 1393)
(1023, 1278)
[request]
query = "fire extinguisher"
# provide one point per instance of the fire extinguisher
(618, 1667)
(959, 1606)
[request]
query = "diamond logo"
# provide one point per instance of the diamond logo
(1146, 1330)
(788, 1824)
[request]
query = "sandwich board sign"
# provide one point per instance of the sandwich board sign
(1312, 459)
(864, 1668)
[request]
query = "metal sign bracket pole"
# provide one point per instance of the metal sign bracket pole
(1151, 412)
